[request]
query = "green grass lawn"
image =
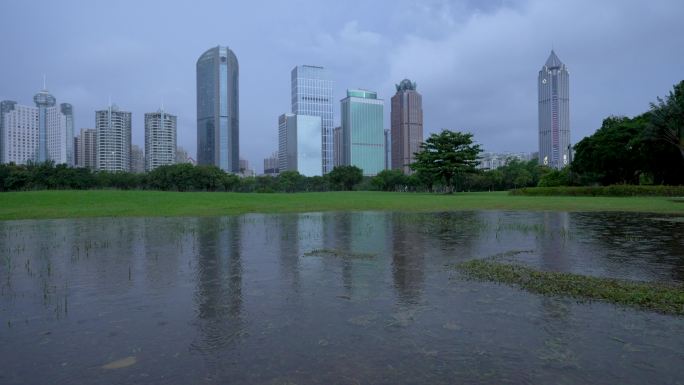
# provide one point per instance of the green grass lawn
(115, 203)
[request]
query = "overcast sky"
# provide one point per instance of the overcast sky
(475, 62)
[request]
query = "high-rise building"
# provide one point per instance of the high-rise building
(87, 148)
(137, 159)
(67, 120)
(554, 113)
(363, 134)
(407, 125)
(20, 133)
(113, 139)
(298, 144)
(160, 139)
(38, 133)
(6, 106)
(44, 101)
(312, 95)
(77, 145)
(388, 150)
(271, 164)
(338, 146)
(218, 124)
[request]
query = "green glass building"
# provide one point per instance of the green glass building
(363, 133)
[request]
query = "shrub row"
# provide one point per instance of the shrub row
(612, 190)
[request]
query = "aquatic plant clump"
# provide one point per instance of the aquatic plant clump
(338, 254)
(643, 295)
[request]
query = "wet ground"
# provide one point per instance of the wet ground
(331, 298)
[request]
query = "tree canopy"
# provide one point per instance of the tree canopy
(345, 177)
(667, 118)
(447, 157)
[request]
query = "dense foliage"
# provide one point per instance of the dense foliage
(178, 177)
(620, 190)
(646, 149)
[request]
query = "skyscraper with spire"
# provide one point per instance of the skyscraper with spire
(554, 113)
(38, 134)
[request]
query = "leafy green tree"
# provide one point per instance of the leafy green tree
(345, 177)
(389, 180)
(447, 157)
(556, 178)
(317, 183)
(291, 181)
(230, 181)
(613, 154)
(667, 118)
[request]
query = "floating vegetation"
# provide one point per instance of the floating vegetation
(510, 253)
(338, 254)
(122, 363)
(642, 295)
(671, 219)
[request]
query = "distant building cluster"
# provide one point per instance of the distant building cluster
(492, 160)
(308, 140)
(309, 143)
(37, 133)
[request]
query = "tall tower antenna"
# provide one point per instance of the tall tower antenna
(44, 82)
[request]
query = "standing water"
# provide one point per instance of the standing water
(331, 298)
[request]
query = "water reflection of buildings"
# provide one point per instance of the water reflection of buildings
(407, 249)
(218, 295)
(552, 244)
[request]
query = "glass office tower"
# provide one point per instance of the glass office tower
(363, 134)
(218, 123)
(298, 145)
(312, 94)
(554, 114)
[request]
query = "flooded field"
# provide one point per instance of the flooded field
(331, 298)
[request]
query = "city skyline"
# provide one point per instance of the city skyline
(448, 48)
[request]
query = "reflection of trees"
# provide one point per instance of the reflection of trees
(219, 283)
